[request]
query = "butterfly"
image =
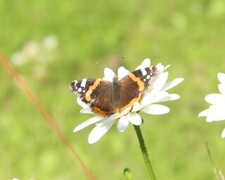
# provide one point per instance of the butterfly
(106, 98)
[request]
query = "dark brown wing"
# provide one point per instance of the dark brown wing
(134, 85)
(80, 87)
(146, 75)
(102, 102)
(96, 93)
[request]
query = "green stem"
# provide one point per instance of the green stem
(144, 152)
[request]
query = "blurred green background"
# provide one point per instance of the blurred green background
(66, 40)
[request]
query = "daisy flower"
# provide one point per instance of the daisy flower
(148, 101)
(216, 112)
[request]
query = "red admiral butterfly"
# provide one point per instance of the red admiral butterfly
(106, 98)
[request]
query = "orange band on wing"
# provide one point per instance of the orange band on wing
(138, 81)
(100, 112)
(130, 104)
(91, 88)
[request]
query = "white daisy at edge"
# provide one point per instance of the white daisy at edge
(216, 110)
(148, 104)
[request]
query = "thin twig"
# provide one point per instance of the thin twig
(47, 116)
(218, 173)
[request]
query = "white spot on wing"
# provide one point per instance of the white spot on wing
(83, 83)
(79, 90)
(144, 72)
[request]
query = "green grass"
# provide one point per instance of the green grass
(189, 35)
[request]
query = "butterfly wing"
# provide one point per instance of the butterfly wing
(106, 98)
(98, 94)
(103, 102)
(133, 86)
(81, 87)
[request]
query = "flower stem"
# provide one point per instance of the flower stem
(144, 152)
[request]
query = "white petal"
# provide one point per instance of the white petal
(214, 113)
(203, 113)
(88, 122)
(145, 64)
(99, 131)
(136, 107)
(215, 117)
(167, 66)
(152, 97)
(223, 134)
(122, 124)
(122, 72)
(125, 111)
(81, 103)
(155, 109)
(221, 77)
(215, 99)
(135, 119)
(172, 84)
(108, 74)
(86, 111)
(160, 82)
(221, 88)
(170, 97)
(160, 68)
